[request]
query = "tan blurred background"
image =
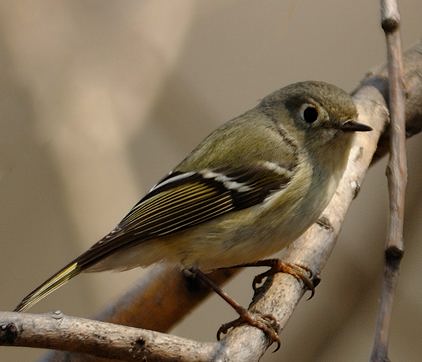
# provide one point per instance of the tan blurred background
(99, 99)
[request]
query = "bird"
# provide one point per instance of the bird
(248, 190)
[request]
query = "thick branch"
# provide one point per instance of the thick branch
(57, 331)
(313, 249)
(396, 175)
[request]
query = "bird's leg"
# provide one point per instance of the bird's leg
(266, 322)
(300, 272)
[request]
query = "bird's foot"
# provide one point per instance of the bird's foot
(298, 271)
(265, 322)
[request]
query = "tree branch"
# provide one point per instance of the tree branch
(396, 175)
(56, 330)
(313, 250)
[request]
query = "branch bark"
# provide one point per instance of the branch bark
(55, 330)
(281, 296)
(396, 175)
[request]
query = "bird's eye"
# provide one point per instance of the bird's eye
(309, 114)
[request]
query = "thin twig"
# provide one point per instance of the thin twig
(396, 175)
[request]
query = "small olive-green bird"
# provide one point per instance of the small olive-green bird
(249, 189)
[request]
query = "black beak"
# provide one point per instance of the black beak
(353, 126)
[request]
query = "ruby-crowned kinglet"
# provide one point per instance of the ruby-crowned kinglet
(251, 187)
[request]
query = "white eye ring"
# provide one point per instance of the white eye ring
(309, 113)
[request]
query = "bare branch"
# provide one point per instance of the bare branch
(397, 167)
(313, 249)
(101, 339)
(396, 175)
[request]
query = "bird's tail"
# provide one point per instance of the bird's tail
(49, 286)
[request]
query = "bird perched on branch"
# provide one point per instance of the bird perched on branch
(249, 189)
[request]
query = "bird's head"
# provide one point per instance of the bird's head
(318, 115)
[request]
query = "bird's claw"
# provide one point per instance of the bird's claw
(265, 322)
(296, 270)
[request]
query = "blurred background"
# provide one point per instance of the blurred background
(99, 100)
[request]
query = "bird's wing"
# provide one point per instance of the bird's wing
(180, 201)
(185, 199)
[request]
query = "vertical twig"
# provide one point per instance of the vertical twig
(396, 175)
